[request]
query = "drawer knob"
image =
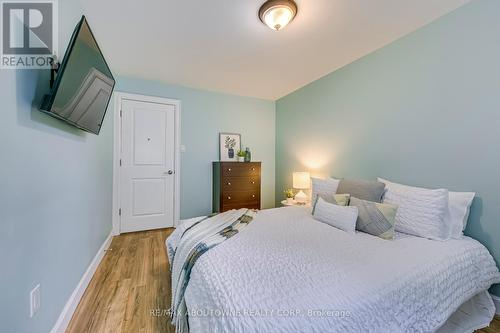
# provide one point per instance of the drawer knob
(253, 195)
(229, 169)
(253, 182)
(228, 198)
(229, 183)
(253, 169)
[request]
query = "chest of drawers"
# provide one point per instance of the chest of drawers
(236, 185)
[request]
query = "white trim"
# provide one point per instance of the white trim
(496, 301)
(118, 98)
(70, 307)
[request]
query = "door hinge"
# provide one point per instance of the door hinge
(121, 112)
(120, 212)
(120, 162)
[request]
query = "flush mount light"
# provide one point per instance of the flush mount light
(276, 14)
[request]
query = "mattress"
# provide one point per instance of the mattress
(287, 272)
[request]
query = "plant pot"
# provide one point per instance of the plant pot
(241, 158)
(289, 201)
(230, 153)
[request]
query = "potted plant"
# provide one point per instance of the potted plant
(289, 196)
(241, 155)
(229, 143)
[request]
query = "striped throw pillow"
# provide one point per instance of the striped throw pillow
(375, 218)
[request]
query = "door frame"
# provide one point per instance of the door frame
(118, 98)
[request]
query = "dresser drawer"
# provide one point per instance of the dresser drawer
(240, 183)
(236, 197)
(240, 170)
(253, 205)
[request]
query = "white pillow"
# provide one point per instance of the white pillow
(422, 212)
(459, 209)
(325, 187)
(341, 217)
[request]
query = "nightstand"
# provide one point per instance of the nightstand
(286, 204)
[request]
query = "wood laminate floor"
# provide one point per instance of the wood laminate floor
(493, 328)
(130, 290)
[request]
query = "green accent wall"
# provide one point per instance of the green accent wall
(424, 110)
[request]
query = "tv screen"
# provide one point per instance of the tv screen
(84, 83)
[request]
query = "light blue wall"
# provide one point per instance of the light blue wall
(203, 115)
(55, 197)
(424, 110)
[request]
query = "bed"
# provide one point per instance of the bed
(285, 272)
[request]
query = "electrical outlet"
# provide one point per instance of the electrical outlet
(34, 300)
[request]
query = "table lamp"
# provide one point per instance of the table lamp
(301, 181)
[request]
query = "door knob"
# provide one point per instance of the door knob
(169, 172)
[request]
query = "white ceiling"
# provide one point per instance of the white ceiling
(221, 45)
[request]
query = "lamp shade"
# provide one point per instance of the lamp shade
(301, 180)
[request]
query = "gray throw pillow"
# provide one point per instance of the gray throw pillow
(336, 199)
(323, 187)
(375, 218)
(362, 189)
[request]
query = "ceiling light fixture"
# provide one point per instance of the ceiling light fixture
(276, 14)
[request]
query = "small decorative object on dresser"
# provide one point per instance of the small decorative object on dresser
(229, 145)
(248, 155)
(236, 185)
(241, 156)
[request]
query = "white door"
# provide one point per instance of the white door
(147, 165)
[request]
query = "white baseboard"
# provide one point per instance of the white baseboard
(496, 300)
(70, 307)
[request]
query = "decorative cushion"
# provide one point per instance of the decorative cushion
(458, 212)
(336, 199)
(324, 187)
(362, 189)
(341, 217)
(375, 218)
(422, 212)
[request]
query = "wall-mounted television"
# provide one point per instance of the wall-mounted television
(82, 88)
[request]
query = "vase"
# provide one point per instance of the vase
(230, 153)
(241, 158)
(248, 155)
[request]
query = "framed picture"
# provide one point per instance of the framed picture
(229, 144)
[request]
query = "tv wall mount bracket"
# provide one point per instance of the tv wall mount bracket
(54, 68)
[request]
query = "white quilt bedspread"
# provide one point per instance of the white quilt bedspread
(289, 273)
